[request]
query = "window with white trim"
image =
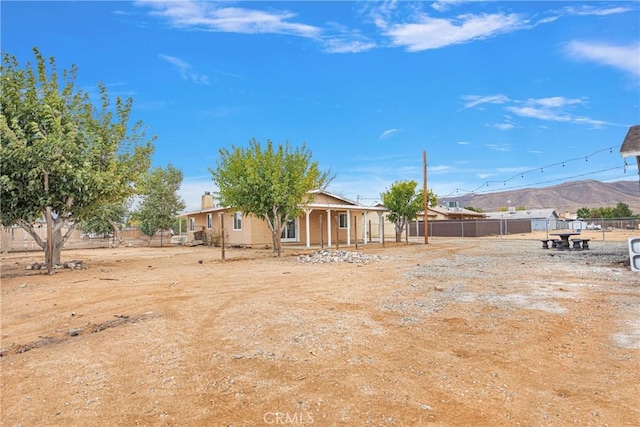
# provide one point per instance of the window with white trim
(343, 220)
(192, 224)
(237, 221)
(209, 221)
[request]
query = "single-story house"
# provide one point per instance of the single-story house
(541, 219)
(326, 217)
(441, 213)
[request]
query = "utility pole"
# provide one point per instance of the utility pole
(426, 197)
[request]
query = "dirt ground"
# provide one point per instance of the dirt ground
(460, 332)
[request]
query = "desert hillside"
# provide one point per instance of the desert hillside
(567, 197)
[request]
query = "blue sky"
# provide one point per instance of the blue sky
(501, 95)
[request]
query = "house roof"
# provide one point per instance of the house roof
(201, 211)
(345, 204)
(631, 144)
(457, 212)
(344, 199)
(526, 214)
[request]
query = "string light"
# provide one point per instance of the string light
(522, 174)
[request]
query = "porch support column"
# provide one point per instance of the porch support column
(365, 229)
(349, 228)
(307, 213)
(380, 219)
(329, 227)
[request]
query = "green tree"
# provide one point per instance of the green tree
(160, 202)
(61, 156)
(622, 211)
(268, 182)
(107, 218)
(602, 212)
(584, 213)
(404, 202)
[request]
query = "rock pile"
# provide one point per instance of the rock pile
(328, 256)
(74, 264)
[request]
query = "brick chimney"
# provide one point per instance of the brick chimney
(207, 200)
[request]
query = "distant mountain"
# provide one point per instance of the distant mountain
(567, 197)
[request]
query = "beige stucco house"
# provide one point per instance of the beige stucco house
(325, 218)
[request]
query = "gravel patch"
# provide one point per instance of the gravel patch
(329, 256)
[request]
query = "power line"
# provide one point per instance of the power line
(541, 169)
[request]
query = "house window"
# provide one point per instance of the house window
(289, 231)
(343, 220)
(209, 221)
(192, 224)
(237, 221)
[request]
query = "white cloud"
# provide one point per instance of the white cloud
(540, 113)
(444, 5)
(475, 100)
(463, 143)
(185, 70)
(588, 10)
(389, 132)
(504, 126)
(434, 33)
(341, 45)
(555, 101)
(625, 58)
(553, 109)
(208, 16)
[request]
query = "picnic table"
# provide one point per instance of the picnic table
(563, 243)
(565, 237)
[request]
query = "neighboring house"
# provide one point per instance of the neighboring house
(631, 145)
(324, 217)
(541, 219)
(441, 213)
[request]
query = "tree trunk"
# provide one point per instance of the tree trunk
(400, 223)
(117, 233)
(58, 239)
(274, 232)
(58, 244)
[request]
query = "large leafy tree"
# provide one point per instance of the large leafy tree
(268, 182)
(62, 157)
(160, 200)
(622, 210)
(108, 218)
(404, 202)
